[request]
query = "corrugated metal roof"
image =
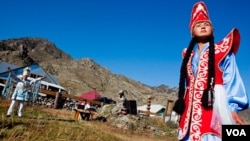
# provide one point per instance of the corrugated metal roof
(4, 66)
(154, 108)
(35, 69)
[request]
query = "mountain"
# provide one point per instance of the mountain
(82, 75)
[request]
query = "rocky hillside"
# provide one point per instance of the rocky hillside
(82, 75)
(79, 76)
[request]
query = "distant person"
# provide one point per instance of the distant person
(82, 104)
(20, 94)
(86, 114)
(211, 90)
(123, 99)
(87, 106)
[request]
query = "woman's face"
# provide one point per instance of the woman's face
(202, 30)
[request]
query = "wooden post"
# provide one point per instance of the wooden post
(168, 110)
(165, 113)
(148, 105)
(57, 99)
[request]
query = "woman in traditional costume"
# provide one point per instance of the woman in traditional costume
(211, 90)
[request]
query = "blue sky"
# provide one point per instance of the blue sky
(141, 39)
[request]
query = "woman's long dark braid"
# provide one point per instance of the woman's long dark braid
(208, 93)
(207, 97)
(180, 104)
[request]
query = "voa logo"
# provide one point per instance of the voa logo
(236, 132)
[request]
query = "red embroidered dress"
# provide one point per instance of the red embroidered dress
(196, 120)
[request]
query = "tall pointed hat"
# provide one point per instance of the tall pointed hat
(199, 14)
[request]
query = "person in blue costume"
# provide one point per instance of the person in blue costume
(20, 94)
